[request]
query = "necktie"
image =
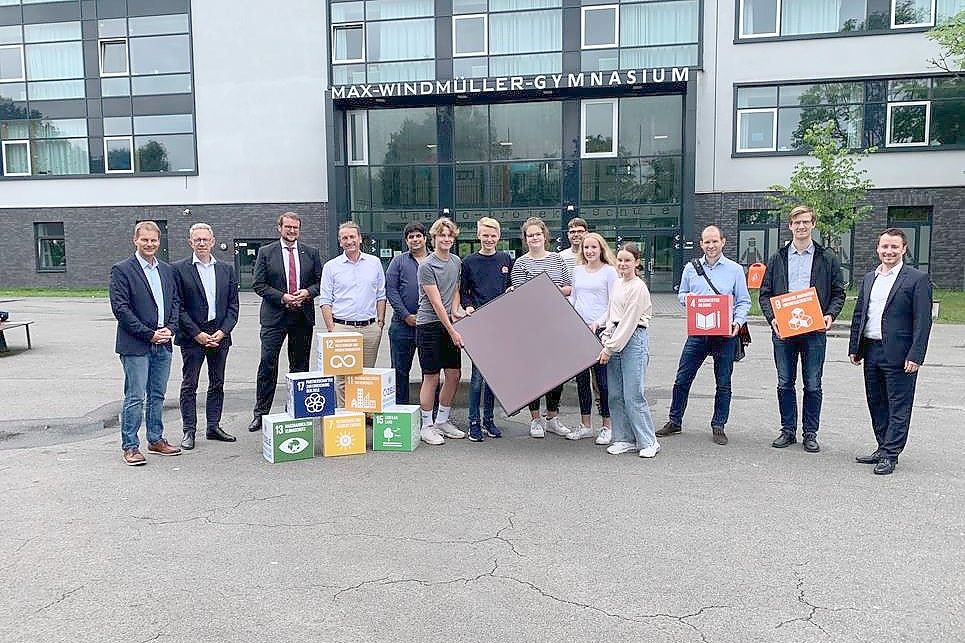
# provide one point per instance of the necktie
(292, 274)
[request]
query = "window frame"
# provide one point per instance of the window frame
(130, 145)
(23, 65)
(345, 26)
(737, 133)
(616, 25)
(908, 103)
(777, 23)
(39, 239)
(349, 120)
(615, 150)
(913, 25)
(100, 57)
(19, 141)
(485, 49)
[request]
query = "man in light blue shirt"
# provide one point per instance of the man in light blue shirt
(728, 279)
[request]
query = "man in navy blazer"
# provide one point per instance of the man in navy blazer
(145, 300)
(287, 278)
(209, 311)
(889, 331)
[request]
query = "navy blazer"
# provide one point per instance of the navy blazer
(270, 282)
(905, 322)
(194, 302)
(133, 305)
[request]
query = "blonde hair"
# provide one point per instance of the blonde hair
(802, 209)
(488, 222)
(440, 223)
(146, 225)
(607, 255)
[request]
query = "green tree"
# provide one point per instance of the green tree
(835, 187)
(950, 37)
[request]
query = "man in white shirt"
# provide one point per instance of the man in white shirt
(889, 332)
(575, 231)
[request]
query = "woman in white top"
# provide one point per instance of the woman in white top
(593, 276)
(626, 352)
(532, 264)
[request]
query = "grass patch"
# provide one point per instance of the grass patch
(91, 293)
(951, 310)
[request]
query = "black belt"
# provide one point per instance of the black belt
(873, 341)
(357, 324)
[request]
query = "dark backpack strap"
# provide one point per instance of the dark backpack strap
(700, 271)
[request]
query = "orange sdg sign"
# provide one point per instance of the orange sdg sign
(339, 353)
(797, 313)
(709, 314)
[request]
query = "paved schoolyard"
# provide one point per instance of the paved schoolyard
(515, 539)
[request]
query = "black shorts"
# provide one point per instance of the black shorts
(436, 350)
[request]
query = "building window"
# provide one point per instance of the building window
(759, 18)
(51, 249)
(758, 234)
(757, 130)
(600, 26)
(11, 63)
(598, 123)
(16, 158)
(908, 123)
(912, 13)
(915, 222)
(348, 43)
(357, 138)
(119, 154)
(113, 57)
(470, 35)
(390, 40)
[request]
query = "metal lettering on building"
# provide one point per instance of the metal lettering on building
(513, 83)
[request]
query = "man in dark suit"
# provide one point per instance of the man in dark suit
(145, 300)
(209, 311)
(287, 277)
(889, 331)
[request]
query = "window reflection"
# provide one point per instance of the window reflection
(160, 55)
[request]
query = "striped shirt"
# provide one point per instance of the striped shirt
(552, 264)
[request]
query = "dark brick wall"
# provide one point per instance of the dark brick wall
(947, 237)
(96, 237)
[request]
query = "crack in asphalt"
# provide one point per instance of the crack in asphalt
(153, 638)
(682, 618)
(812, 608)
(60, 599)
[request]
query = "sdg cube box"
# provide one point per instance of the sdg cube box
(396, 428)
(285, 438)
(339, 353)
(310, 394)
(343, 434)
(370, 392)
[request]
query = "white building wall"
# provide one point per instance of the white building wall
(726, 64)
(260, 75)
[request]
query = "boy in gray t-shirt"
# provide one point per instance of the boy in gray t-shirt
(438, 341)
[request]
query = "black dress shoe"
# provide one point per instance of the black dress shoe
(187, 442)
(810, 443)
(719, 436)
(255, 424)
(884, 467)
(784, 440)
(868, 459)
(218, 433)
(668, 429)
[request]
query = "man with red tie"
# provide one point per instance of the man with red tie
(287, 276)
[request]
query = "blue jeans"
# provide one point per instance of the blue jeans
(810, 348)
(402, 350)
(626, 374)
(145, 377)
(478, 387)
(696, 350)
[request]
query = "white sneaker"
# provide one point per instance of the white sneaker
(449, 430)
(429, 435)
(605, 436)
(621, 447)
(582, 432)
(651, 450)
(553, 425)
(537, 429)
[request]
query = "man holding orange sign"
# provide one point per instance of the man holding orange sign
(801, 294)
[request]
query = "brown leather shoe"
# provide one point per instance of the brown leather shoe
(668, 429)
(719, 436)
(161, 447)
(133, 458)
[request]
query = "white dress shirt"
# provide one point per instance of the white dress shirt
(352, 288)
(153, 276)
(208, 281)
(884, 280)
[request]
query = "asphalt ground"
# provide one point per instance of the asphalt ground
(511, 539)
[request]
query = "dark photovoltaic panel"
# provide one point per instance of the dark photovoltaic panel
(528, 341)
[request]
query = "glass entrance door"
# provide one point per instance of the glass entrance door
(660, 255)
(246, 251)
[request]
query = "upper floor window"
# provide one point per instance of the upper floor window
(348, 43)
(470, 36)
(600, 26)
(599, 125)
(11, 63)
(912, 13)
(774, 18)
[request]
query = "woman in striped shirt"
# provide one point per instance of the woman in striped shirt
(532, 264)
